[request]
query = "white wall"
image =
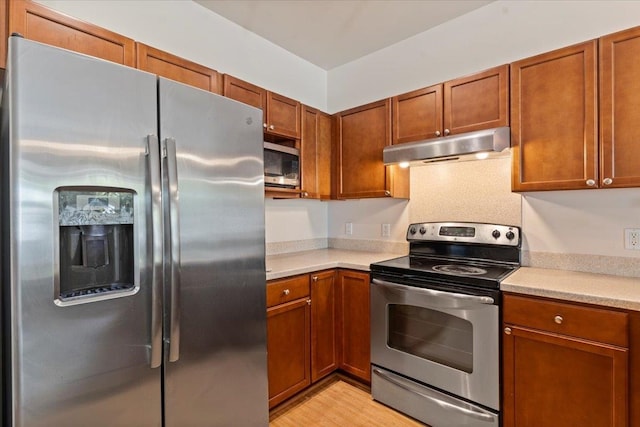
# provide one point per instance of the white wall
(367, 217)
(191, 31)
(581, 222)
(499, 33)
(291, 220)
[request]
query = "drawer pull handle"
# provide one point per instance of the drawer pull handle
(286, 292)
(558, 320)
(507, 331)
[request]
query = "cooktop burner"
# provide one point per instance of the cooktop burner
(465, 270)
(471, 254)
(462, 270)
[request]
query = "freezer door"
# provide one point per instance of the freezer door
(74, 146)
(215, 319)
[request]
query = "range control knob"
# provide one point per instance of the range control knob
(510, 235)
(423, 230)
(412, 230)
(495, 234)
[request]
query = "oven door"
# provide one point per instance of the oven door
(447, 340)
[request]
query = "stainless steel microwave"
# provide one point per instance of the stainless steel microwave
(281, 166)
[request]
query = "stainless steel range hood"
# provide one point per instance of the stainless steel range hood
(466, 146)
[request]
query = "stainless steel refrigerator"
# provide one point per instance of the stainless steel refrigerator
(133, 268)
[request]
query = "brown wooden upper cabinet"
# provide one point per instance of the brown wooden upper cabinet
(315, 154)
(620, 109)
(554, 120)
(479, 101)
(39, 23)
(175, 68)
(361, 135)
(281, 114)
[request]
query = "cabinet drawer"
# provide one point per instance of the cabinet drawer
(285, 290)
(590, 323)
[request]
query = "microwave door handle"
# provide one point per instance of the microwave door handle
(438, 400)
(458, 300)
(154, 235)
(169, 151)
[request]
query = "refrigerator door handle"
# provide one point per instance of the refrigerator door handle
(174, 286)
(154, 218)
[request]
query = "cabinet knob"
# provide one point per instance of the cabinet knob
(591, 182)
(308, 302)
(305, 194)
(507, 331)
(558, 320)
(607, 181)
(314, 278)
(271, 127)
(438, 133)
(264, 125)
(286, 292)
(387, 193)
(446, 132)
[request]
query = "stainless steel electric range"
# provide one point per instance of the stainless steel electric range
(435, 317)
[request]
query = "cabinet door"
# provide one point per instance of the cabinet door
(354, 332)
(551, 380)
(175, 68)
(316, 154)
(554, 120)
(288, 345)
(324, 316)
(245, 92)
(39, 23)
(283, 116)
(480, 101)
(620, 109)
(362, 133)
(4, 32)
(417, 115)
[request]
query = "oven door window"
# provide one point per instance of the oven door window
(432, 335)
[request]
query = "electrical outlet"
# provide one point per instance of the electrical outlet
(386, 230)
(632, 238)
(348, 228)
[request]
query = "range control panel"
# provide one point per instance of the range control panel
(465, 232)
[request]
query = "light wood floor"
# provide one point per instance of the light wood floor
(338, 403)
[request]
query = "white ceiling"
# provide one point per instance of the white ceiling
(329, 33)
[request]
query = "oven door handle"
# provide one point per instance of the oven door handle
(460, 300)
(424, 393)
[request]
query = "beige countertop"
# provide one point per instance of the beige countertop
(601, 289)
(305, 262)
(590, 288)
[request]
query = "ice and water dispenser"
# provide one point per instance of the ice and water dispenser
(96, 244)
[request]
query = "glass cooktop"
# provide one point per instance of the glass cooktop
(452, 270)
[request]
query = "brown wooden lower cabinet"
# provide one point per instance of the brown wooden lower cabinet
(324, 317)
(288, 337)
(564, 364)
(317, 323)
(354, 323)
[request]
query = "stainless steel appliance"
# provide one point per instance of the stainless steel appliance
(281, 165)
(435, 323)
(465, 146)
(133, 248)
